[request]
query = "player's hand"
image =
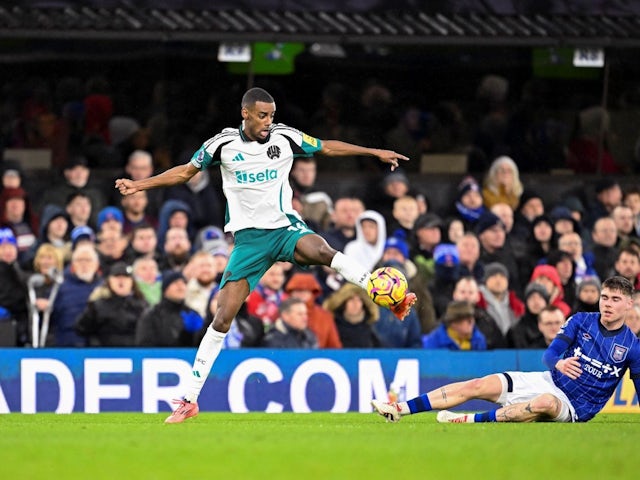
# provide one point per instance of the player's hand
(126, 186)
(569, 367)
(391, 157)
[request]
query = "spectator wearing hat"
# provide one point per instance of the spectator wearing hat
(502, 183)
(469, 204)
(113, 310)
(427, 234)
(110, 218)
(458, 331)
(76, 180)
(564, 221)
(12, 174)
(627, 265)
(371, 234)
(135, 211)
(13, 289)
(395, 333)
(79, 209)
(354, 313)
(547, 276)
(170, 323)
(502, 304)
(531, 206)
(566, 271)
(588, 295)
(16, 213)
(467, 290)
(82, 234)
(54, 230)
(148, 279)
(174, 214)
(447, 273)
(305, 287)
(492, 236)
(291, 328)
(525, 333)
(605, 251)
(396, 253)
(394, 185)
(201, 281)
(608, 195)
(80, 279)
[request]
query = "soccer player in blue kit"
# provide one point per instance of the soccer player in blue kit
(255, 160)
(586, 361)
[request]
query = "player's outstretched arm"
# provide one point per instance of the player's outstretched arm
(168, 178)
(336, 148)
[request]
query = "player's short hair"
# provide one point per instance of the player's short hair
(619, 284)
(254, 95)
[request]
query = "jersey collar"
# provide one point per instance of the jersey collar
(246, 139)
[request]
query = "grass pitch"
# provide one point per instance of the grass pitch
(127, 446)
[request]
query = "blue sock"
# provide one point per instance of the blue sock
(489, 416)
(420, 404)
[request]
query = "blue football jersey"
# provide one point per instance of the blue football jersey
(604, 356)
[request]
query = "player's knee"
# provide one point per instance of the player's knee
(475, 387)
(546, 404)
(222, 321)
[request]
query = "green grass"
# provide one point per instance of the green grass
(127, 446)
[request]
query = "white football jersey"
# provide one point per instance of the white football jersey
(255, 175)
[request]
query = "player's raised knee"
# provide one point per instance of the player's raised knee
(546, 404)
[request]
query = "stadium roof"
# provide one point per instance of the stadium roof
(408, 26)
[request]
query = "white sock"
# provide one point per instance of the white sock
(205, 357)
(351, 270)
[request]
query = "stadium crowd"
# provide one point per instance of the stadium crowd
(499, 267)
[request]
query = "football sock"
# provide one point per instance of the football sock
(205, 357)
(420, 404)
(351, 270)
(489, 416)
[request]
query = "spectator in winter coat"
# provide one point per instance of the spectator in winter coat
(13, 290)
(501, 303)
(170, 323)
(113, 310)
(354, 313)
(80, 279)
(525, 333)
(394, 333)
(458, 331)
(547, 276)
(320, 321)
(290, 330)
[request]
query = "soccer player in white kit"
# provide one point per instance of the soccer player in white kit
(255, 161)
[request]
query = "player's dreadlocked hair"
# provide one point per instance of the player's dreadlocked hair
(254, 95)
(619, 284)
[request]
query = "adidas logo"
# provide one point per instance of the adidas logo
(238, 158)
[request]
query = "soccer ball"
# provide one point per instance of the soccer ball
(387, 286)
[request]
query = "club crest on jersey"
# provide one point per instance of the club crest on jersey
(619, 353)
(273, 152)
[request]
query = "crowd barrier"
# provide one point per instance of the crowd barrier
(246, 380)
